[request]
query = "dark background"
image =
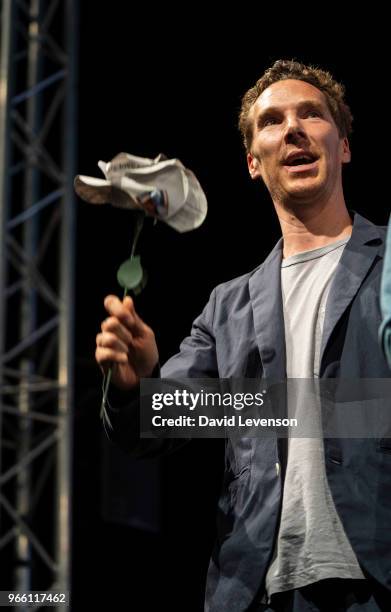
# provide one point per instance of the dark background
(147, 85)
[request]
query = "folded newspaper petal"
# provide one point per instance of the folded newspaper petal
(162, 187)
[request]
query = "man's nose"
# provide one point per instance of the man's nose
(294, 129)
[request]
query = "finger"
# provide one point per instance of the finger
(112, 341)
(105, 356)
(117, 309)
(113, 326)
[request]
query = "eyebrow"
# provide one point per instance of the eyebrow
(270, 110)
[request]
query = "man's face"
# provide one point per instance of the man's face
(296, 148)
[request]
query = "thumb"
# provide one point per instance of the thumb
(139, 323)
(129, 304)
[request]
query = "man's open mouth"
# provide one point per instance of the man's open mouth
(300, 160)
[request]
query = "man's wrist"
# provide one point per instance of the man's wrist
(119, 398)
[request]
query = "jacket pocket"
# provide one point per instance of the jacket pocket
(239, 482)
(238, 455)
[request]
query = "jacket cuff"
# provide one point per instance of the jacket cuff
(120, 398)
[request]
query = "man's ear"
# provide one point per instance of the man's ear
(346, 154)
(253, 166)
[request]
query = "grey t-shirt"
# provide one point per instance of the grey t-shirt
(311, 543)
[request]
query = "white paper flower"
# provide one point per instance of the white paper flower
(163, 188)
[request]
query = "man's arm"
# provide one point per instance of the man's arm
(129, 344)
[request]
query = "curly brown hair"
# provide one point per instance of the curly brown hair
(290, 69)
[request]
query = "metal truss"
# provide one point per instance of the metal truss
(37, 159)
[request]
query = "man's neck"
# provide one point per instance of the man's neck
(313, 227)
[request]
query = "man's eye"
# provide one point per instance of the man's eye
(313, 113)
(269, 121)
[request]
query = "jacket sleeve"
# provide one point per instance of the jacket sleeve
(197, 353)
(196, 359)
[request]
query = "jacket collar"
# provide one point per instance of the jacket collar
(265, 294)
(357, 259)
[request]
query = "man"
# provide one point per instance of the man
(304, 525)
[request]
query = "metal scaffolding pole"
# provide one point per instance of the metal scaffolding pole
(37, 225)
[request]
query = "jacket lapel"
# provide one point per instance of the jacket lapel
(357, 258)
(266, 301)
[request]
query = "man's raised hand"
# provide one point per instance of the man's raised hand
(126, 344)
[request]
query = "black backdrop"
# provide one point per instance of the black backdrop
(147, 85)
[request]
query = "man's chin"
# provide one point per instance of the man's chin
(304, 193)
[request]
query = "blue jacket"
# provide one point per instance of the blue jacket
(240, 334)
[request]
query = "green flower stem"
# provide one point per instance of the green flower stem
(107, 377)
(139, 226)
